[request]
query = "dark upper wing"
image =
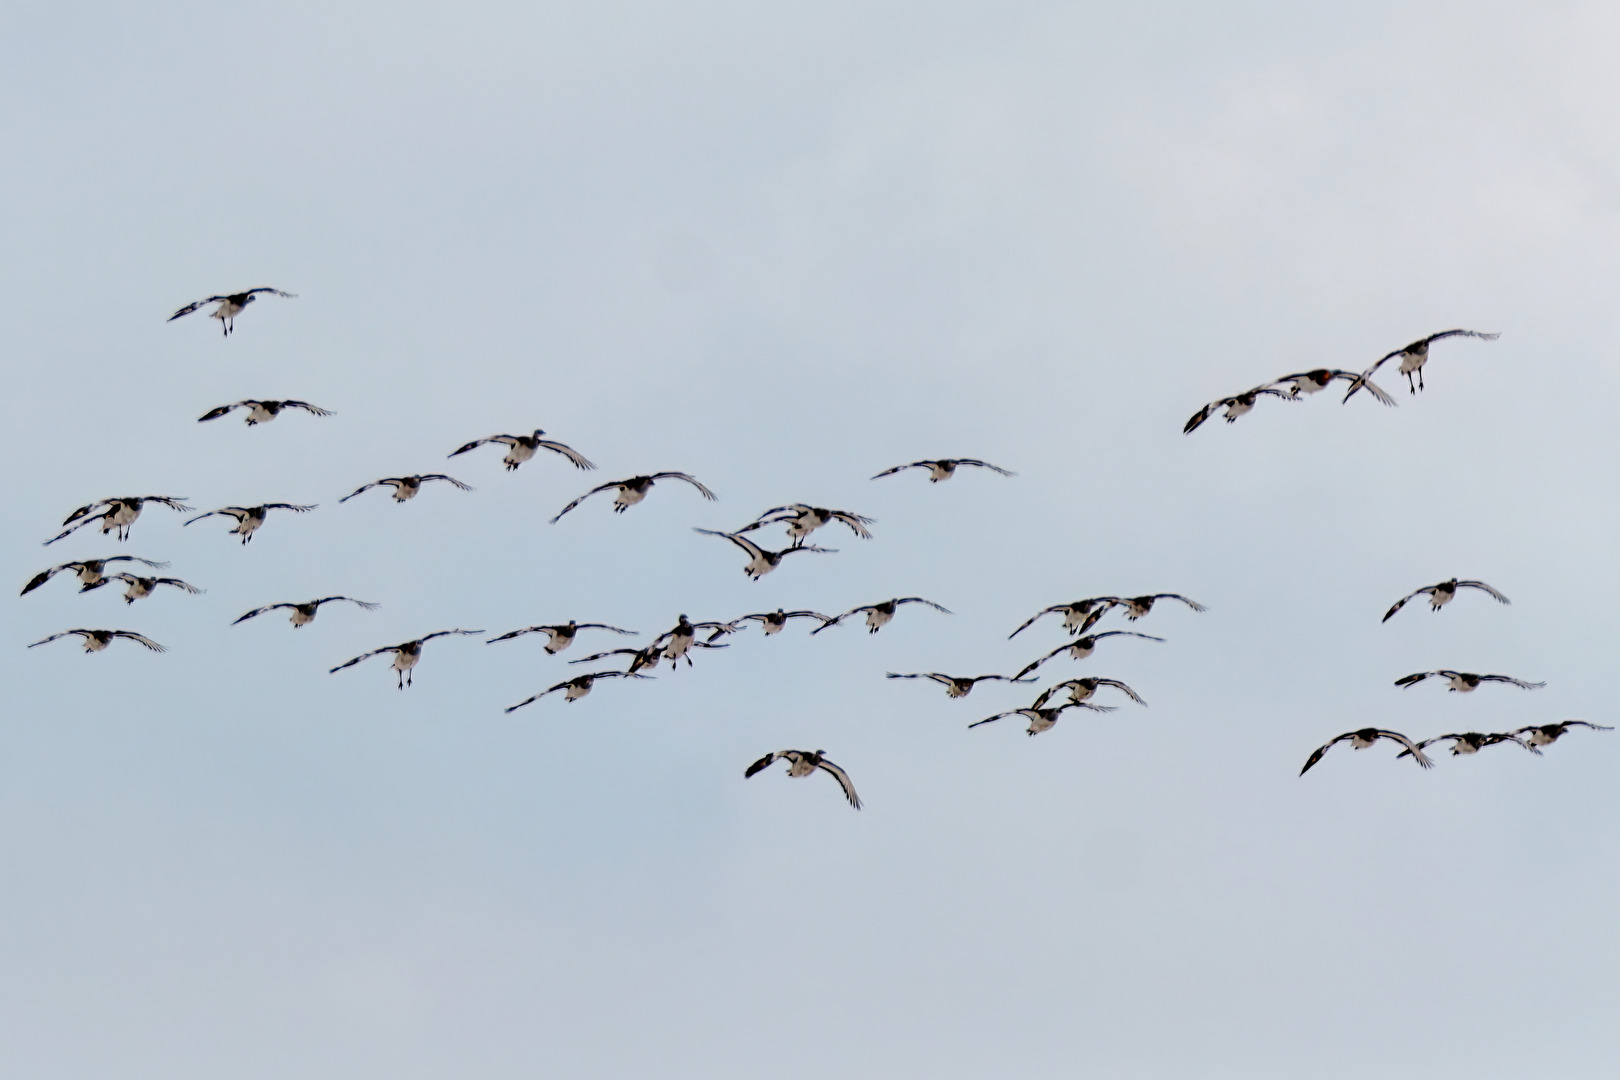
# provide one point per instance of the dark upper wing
(508, 440)
(1417, 677)
(362, 656)
(369, 606)
(291, 506)
(898, 468)
(260, 611)
(307, 407)
(1402, 602)
(605, 626)
(237, 512)
(1442, 335)
(141, 638)
(919, 600)
(1316, 755)
(174, 581)
(1027, 623)
(445, 633)
(579, 460)
(1203, 414)
(451, 479)
(216, 413)
(582, 498)
(1195, 605)
(362, 487)
(1520, 683)
(1482, 587)
(843, 781)
(992, 719)
(85, 509)
(193, 306)
(45, 575)
(1416, 751)
(705, 492)
(985, 465)
(763, 763)
(856, 522)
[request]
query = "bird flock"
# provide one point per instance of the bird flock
(116, 516)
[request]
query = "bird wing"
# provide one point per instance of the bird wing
(216, 413)
(1416, 750)
(53, 637)
(1456, 333)
(364, 656)
(764, 762)
(1358, 382)
(1316, 755)
(45, 575)
(260, 611)
(505, 440)
(171, 501)
(899, 468)
(446, 633)
(174, 581)
(451, 479)
(368, 605)
(1402, 602)
(1032, 665)
(1503, 736)
(1520, 683)
(919, 600)
(1417, 677)
(307, 407)
(362, 487)
(529, 699)
(193, 306)
(705, 492)
(856, 522)
(1582, 723)
(1195, 605)
(843, 781)
(519, 633)
(1127, 691)
(1203, 414)
(1027, 623)
(85, 509)
(608, 653)
(294, 507)
(754, 551)
(582, 498)
(1484, 588)
(985, 465)
(141, 638)
(605, 626)
(579, 460)
(914, 675)
(266, 289)
(992, 719)
(237, 512)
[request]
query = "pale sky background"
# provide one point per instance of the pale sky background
(783, 248)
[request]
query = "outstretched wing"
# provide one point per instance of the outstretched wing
(1316, 755)
(185, 586)
(236, 512)
(1418, 676)
(901, 468)
(362, 487)
(857, 523)
(985, 465)
(582, 498)
(763, 763)
(993, 719)
(705, 492)
(260, 611)
(1442, 335)
(369, 606)
(1027, 623)
(1402, 602)
(843, 781)
(193, 306)
(1416, 751)
(579, 460)
(754, 551)
(140, 638)
(1520, 683)
(1484, 588)
(505, 440)
(363, 656)
(216, 413)
(919, 600)
(1203, 414)
(294, 507)
(53, 637)
(446, 633)
(1127, 691)
(536, 697)
(451, 479)
(307, 407)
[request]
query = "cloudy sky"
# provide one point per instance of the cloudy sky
(782, 248)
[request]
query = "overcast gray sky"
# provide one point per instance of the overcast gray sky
(783, 248)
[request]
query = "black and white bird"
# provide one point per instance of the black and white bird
(1365, 737)
(89, 571)
(1075, 614)
(802, 519)
(405, 487)
(520, 448)
(956, 686)
(1444, 593)
(1465, 681)
(1081, 648)
(680, 639)
(1472, 742)
(772, 622)
(576, 688)
(138, 588)
(117, 515)
(561, 635)
(879, 615)
(1547, 734)
(761, 561)
(803, 763)
(406, 654)
(249, 518)
(230, 306)
(646, 657)
(1235, 406)
(1043, 719)
(1138, 606)
(262, 412)
(1081, 690)
(1311, 382)
(96, 640)
(945, 468)
(1413, 357)
(633, 490)
(304, 614)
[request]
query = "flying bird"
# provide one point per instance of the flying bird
(802, 519)
(761, 561)
(945, 468)
(1444, 593)
(1365, 737)
(1081, 690)
(1081, 648)
(646, 657)
(878, 615)
(956, 686)
(773, 621)
(406, 654)
(141, 587)
(520, 448)
(1075, 614)
(803, 763)
(633, 490)
(1310, 382)
(1472, 742)
(560, 635)
(249, 518)
(96, 640)
(1043, 719)
(1413, 357)
(1138, 606)
(304, 614)
(89, 571)
(230, 306)
(1235, 406)
(1465, 681)
(1547, 734)
(405, 487)
(262, 412)
(117, 515)
(576, 688)
(680, 639)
